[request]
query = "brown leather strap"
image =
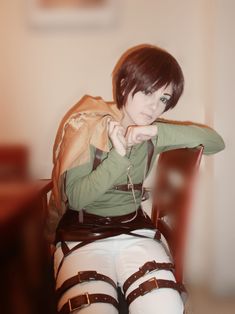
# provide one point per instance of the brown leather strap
(128, 187)
(152, 284)
(107, 220)
(97, 160)
(84, 300)
(98, 236)
(81, 277)
(145, 269)
(150, 155)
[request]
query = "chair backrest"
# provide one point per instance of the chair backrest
(172, 194)
(14, 162)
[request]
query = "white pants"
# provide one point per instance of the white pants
(119, 257)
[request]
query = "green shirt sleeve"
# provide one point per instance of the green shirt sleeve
(171, 136)
(84, 185)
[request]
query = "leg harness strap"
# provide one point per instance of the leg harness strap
(110, 232)
(146, 268)
(152, 284)
(82, 276)
(84, 300)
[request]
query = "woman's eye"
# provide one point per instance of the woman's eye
(147, 92)
(164, 100)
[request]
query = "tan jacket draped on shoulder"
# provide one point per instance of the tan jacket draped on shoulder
(83, 125)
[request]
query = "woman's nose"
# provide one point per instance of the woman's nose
(153, 106)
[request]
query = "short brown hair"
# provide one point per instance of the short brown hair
(146, 68)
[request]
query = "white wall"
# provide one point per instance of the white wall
(224, 203)
(45, 71)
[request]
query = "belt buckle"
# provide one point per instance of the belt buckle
(107, 220)
(72, 309)
(148, 286)
(89, 275)
(130, 186)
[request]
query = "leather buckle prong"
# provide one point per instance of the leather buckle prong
(130, 186)
(148, 267)
(148, 286)
(72, 309)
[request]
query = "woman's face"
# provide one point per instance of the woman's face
(144, 109)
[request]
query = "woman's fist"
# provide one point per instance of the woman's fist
(138, 134)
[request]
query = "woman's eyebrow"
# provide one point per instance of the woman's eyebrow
(167, 94)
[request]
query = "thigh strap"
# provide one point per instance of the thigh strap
(110, 231)
(84, 300)
(145, 269)
(82, 276)
(152, 284)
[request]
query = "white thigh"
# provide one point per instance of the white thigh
(132, 255)
(95, 256)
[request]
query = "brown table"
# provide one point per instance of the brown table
(17, 197)
(24, 252)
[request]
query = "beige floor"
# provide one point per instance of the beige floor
(201, 301)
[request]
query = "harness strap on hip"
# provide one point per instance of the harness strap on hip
(84, 300)
(152, 284)
(82, 276)
(145, 269)
(108, 233)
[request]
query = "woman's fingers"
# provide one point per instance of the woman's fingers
(111, 125)
(116, 133)
(138, 134)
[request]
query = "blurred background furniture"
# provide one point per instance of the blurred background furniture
(24, 253)
(172, 192)
(172, 196)
(14, 162)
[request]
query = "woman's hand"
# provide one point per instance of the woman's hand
(138, 134)
(116, 133)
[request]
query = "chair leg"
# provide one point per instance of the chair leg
(123, 308)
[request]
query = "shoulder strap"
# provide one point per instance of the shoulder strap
(97, 160)
(150, 154)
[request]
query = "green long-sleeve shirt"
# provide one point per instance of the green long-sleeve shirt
(93, 191)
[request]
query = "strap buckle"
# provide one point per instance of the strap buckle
(130, 186)
(148, 286)
(86, 275)
(148, 267)
(73, 308)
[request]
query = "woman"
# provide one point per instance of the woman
(102, 153)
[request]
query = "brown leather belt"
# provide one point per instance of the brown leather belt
(152, 284)
(128, 187)
(146, 268)
(84, 300)
(97, 228)
(97, 219)
(82, 276)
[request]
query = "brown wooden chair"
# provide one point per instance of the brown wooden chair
(172, 194)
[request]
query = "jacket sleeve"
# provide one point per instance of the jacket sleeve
(171, 136)
(84, 185)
